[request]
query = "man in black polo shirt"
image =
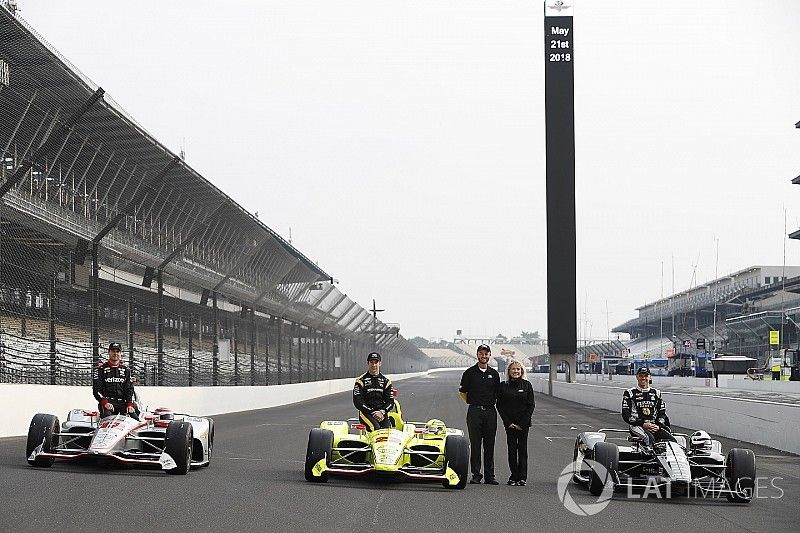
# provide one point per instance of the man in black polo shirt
(479, 387)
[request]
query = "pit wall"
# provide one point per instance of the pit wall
(20, 402)
(758, 421)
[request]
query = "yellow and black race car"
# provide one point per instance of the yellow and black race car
(417, 451)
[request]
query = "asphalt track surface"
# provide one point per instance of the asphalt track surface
(255, 483)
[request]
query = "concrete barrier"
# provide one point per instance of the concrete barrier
(763, 422)
(739, 382)
(20, 402)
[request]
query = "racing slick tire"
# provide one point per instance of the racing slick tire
(606, 455)
(456, 456)
(210, 440)
(740, 472)
(320, 446)
(43, 430)
(178, 445)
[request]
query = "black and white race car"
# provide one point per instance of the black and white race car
(174, 442)
(694, 464)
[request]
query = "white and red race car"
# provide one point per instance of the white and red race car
(174, 442)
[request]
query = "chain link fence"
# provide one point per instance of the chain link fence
(107, 236)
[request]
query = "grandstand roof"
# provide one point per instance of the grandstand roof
(184, 204)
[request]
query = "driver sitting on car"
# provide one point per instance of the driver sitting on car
(112, 385)
(643, 406)
(372, 395)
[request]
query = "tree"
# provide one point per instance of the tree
(419, 342)
(530, 335)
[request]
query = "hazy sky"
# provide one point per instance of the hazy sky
(403, 142)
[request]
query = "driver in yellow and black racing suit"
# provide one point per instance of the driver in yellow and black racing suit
(372, 395)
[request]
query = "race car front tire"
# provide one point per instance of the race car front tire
(178, 445)
(740, 472)
(606, 463)
(320, 446)
(43, 430)
(456, 456)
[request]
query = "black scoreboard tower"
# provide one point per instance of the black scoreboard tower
(560, 139)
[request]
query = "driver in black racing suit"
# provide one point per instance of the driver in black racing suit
(643, 406)
(372, 395)
(112, 385)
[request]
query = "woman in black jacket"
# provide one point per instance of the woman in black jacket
(515, 403)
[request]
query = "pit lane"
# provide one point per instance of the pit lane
(255, 483)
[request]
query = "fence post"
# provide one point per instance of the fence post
(291, 349)
(215, 358)
(252, 346)
(235, 351)
(280, 350)
(160, 327)
(299, 335)
(316, 357)
(129, 326)
(191, 355)
(267, 335)
(51, 322)
(95, 305)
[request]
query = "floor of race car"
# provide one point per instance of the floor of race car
(255, 483)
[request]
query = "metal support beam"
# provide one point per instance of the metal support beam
(215, 349)
(316, 306)
(242, 262)
(280, 349)
(191, 352)
(325, 316)
(272, 284)
(135, 201)
(48, 143)
(95, 289)
(19, 123)
(160, 327)
(130, 324)
(51, 323)
(345, 326)
(53, 163)
(202, 226)
(71, 165)
(252, 347)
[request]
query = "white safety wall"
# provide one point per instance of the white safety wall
(764, 422)
(20, 402)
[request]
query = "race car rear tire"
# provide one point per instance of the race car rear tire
(178, 445)
(740, 472)
(43, 430)
(456, 456)
(606, 455)
(320, 446)
(210, 440)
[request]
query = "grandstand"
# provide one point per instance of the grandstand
(105, 234)
(446, 358)
(747, 304)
